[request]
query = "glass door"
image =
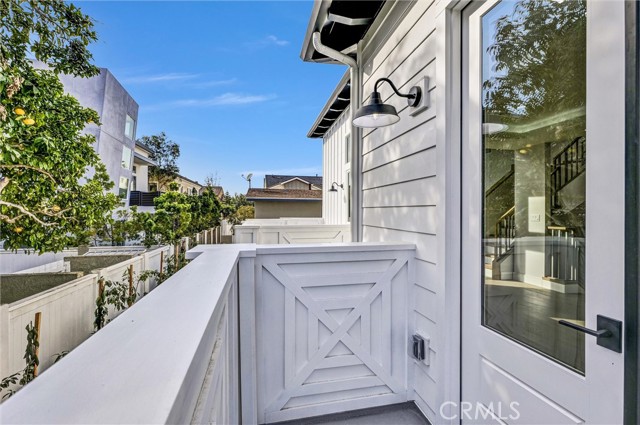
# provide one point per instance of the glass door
(542, 211)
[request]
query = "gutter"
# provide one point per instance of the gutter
(356, 132)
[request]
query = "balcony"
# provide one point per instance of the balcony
(248, 334)
(142, 199)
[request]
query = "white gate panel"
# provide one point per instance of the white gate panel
(331, 332)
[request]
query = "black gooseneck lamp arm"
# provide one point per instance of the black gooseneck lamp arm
(413, 96)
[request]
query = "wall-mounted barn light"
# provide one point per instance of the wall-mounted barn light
(335, 186)
(377, 114)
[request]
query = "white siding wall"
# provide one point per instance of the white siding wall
(334, 205)
(401, 187)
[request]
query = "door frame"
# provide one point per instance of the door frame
(632, 214)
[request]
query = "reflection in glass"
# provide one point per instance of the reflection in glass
(534, 151)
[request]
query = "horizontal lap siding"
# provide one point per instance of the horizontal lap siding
(400, 188)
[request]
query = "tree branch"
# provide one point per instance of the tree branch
(24, 212)
(30, 167)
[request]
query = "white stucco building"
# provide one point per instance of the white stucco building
(115, 137)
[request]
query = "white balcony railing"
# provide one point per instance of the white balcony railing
(244, 333)
(290, 231)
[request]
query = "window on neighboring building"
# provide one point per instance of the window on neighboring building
(126, 158)
(153, 187)
(194, 191)
(123, 186)
(130, 128)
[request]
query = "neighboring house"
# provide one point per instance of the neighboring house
(118, 113)
(141, 163)
(288, 196)
(509, 177)
(144, 189)
(185, 185)
(272, 181)
(219, 191)
(140, 195)
(333, 125)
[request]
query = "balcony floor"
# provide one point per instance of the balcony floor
(397, 414)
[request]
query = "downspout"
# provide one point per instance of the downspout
(356, 134)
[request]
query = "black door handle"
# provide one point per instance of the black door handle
(609, 333)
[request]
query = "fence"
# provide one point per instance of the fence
(67, 312)
(292, 233)
(11, 262)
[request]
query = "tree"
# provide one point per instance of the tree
(165, 153)
(540, 54)
(47, 202)
(205, 210)
(231, 206)
(245, 212)
(55, 32)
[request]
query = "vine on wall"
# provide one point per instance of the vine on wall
(30, 370)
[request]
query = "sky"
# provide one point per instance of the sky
(223, 79)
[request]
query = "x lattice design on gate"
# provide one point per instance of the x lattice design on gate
(295, 380)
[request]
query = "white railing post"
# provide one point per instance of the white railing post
(248, 363)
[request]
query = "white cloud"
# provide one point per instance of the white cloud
(226, 99)
(215, 83)
(160, 78)
(275, 40)
(270, 40)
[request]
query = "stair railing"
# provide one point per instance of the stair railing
(567, 165)
(505, 232)
(565, 255)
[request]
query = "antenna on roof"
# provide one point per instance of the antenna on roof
(248, 178)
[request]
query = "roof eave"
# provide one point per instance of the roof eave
(343, 81)
(318, 13)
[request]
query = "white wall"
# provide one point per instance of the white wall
(335, 169)
(403, 192)
(11, 262)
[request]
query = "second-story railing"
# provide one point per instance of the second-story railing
(243, 334)
(143, 199)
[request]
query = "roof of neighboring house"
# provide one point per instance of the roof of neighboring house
(273, 180)
(339, 100)
(179, 176)
(341, 23)
(143, 146)
(284, 195)
(218, 191)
